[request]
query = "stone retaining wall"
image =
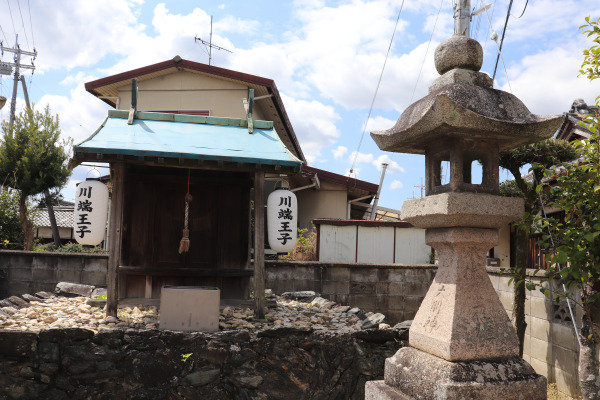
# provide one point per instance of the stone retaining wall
(394, 290)
(279, 363)
(34, 271)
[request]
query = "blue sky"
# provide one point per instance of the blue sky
(325, 57)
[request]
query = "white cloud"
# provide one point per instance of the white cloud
(535, 27)
(548, 86)
(396, 184)
(81, 33)
(314, 124)
(393, 166)
(379, 123)
(80, 114)
(360, 157)
(339, 152)
(77, 78)
(232, 24)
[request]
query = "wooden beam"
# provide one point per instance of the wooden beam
(115, 237)
(148, 291)
(194, 119)
(259, 244)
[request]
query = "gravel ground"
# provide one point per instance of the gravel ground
(36, 314)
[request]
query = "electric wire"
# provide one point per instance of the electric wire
(23, 23)
(499, 52)
(524, 8)
(489, 28)
(426, 52)
(478, 21)
(502, 40)
(31, 25)
(559, 267)
(11, 16)
(3, 34)
(376, 90)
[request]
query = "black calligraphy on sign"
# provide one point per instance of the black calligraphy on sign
(285, 213)
(285, 201)
(85, 206)
(85, 192)
(284, 233)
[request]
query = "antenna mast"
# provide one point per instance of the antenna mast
(209, 46)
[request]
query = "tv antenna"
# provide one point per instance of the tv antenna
(209, 45)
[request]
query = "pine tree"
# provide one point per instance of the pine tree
(33, 160)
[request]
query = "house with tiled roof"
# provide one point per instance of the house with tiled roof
(64, 221)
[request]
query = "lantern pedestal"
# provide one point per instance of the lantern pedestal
(463, 344)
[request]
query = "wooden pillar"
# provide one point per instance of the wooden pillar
(115, 237)
(259, 245)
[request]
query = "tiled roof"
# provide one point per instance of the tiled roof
(63, 215)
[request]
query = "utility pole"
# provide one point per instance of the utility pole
(209, 46)
(17, 65)
(462, 17)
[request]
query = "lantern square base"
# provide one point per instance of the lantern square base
(413, 374)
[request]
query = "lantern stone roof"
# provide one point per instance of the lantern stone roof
(462, 103)
(186, 140)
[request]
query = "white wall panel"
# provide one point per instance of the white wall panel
(337, 243)
(375, 244)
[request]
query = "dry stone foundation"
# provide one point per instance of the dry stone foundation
(308, 348)
(277, 363)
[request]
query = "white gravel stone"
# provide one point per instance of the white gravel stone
(62, 312)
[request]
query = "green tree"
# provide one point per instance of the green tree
(540, 155)
(33, 160)
(10, 224)
(575, 239)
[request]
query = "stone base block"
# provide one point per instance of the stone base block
(413, 374)
(378, 390)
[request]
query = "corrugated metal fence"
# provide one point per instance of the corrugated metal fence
(364, 241)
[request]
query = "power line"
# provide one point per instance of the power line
(494, 37)
(2, 30)
(426, 52)
(31, 24)
(489, 28)
(476, 35)
(502, 40)
(376, 89)
(11, 17)
(23, 23)
(524, 8)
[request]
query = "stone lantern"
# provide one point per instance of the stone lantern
(462, 343)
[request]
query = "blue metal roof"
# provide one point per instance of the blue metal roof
(187, 136)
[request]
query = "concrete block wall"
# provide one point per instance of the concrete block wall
(30, 272)
(550, 341)
(392, 289)
(395, 290)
